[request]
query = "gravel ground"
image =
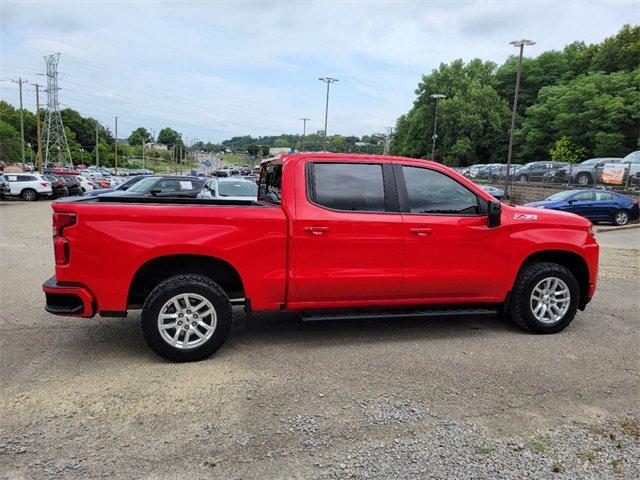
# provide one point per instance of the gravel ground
(411, 398)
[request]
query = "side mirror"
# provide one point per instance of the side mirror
(494, 209)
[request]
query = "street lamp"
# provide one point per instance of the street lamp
(328, 81)
(519, 44)
(437, 97)
(304, 129)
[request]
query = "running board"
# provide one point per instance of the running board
(364, 314)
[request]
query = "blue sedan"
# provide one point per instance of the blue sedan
(596, 205)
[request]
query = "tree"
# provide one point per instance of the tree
(565, 151)
(599, 112)
(169, 136)
(138, 136)
(620, 52)
(253, 149)
(9, 143)
(265, 150)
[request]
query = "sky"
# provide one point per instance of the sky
(215, 69)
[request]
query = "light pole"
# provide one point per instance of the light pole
(437, 97)
(304, 129)
(328, 81)
(520, 44)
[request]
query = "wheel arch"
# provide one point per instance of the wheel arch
(572, 261)
(158, 269)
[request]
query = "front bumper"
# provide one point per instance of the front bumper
(68, 300)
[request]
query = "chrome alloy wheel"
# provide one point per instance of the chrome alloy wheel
(621, 218)
(550, 300)
(187, 321)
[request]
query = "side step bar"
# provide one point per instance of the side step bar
(368, 314)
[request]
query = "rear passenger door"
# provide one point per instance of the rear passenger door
(346, 235)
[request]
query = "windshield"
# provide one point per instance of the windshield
(561, 195)
(128, 183)
(633, 157)
(237, 189)
(143, 185)
(591, 161)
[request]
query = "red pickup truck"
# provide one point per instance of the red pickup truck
(330, 235)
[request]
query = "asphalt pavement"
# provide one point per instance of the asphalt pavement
(411, 398)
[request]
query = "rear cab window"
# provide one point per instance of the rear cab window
(270, 184)
(349, 187)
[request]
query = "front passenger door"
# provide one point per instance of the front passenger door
(450, 253)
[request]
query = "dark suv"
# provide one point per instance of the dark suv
(585, 173)
(4, 186)
(538, 171)
(73, 184)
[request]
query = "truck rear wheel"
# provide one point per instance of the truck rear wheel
(544, 298)
(186, 318)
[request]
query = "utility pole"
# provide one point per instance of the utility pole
(437, 97)
(520, 44)
(97, 149)
(116, 150)
(20, 81)
(180, 159)
(143, 165)
(328, 81)
(304, 130)
(39, 155)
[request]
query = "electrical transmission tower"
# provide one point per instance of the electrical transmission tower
(387, 141)
(56, 147)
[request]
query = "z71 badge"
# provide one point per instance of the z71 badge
(525, 216)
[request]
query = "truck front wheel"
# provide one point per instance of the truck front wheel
(186, 318)
(544, 298)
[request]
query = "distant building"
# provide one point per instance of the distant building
(361, 144)
(156, 146)
(278, 150)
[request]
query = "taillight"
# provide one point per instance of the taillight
(61, 244)
(44, 184)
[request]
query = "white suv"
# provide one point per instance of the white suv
(28, 186)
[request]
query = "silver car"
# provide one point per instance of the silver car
(229, 188)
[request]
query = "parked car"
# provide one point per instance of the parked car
(229, 188)
(474, 169)
(538, 171)
(595, 204)
(355, 235)
(73, 184)
(122, 187)
(86, 185)
(490, 171)
(495, 191)
(28, 186)
(161, 186)
(584, 173)
(58, 186)
(4, 186)
(627, 170)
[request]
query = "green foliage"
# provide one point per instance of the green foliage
(138, 136)
(588, 94)
(565, 151)
(9, 143)
(252, 149)
(169, 136)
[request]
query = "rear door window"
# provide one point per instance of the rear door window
(584, 197)
(352, 187)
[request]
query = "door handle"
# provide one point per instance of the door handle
(421, 231)
(317, 231)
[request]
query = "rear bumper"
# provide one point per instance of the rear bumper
(68, 300)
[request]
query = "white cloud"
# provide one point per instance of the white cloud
(217, 69)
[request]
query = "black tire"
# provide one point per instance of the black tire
(583, 179)
(621, 218)
(29, 195)
(181, 284)
(522, 178)
(530, 275)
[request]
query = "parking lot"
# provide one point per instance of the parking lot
(411, 398)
